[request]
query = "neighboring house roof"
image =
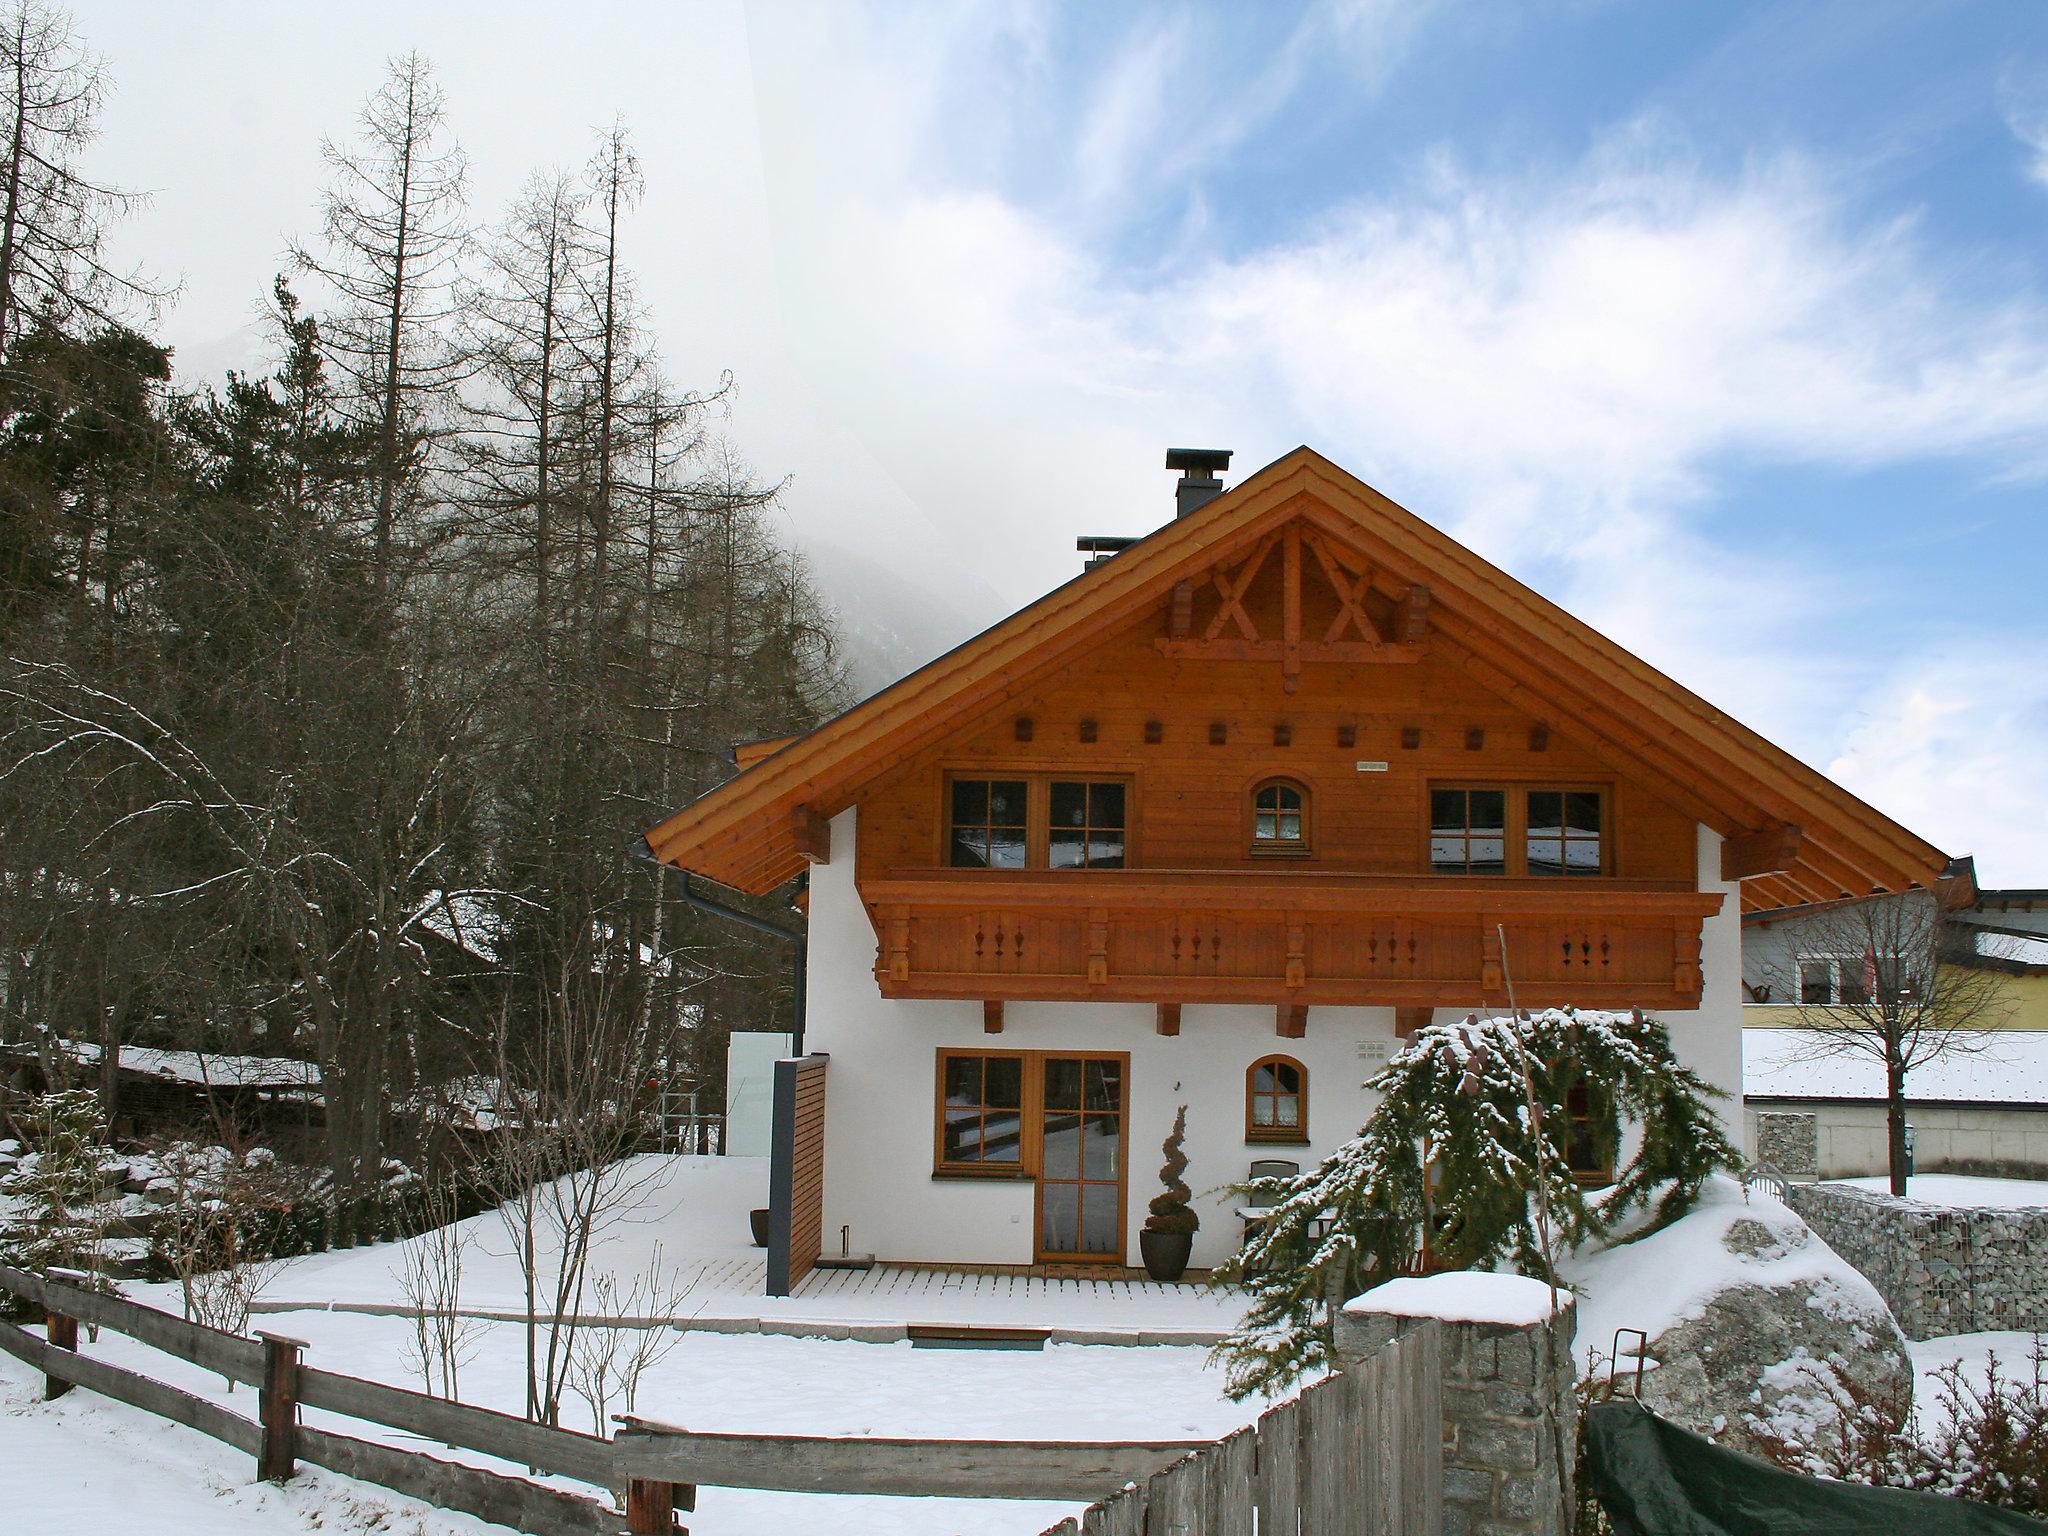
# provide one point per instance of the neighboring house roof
(756, 831)
(202, 1068)
(2011, 1069)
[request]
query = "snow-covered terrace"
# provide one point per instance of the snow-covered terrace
(689, 1214)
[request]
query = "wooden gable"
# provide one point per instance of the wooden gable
(1293, 609)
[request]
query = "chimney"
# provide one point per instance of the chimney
(1199, 485)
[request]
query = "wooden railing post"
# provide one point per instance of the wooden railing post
(278, 1403)
(62, 1332)
(651, 1506)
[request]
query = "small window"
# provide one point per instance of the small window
(1279, 817)
(1276, 1101)
(982, 1109)
(1591, 1133)
(1468, 831)
(1850, 981)
(1563, 832)
(989, 824)
(1087, 830)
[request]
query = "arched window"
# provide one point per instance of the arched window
(1276, 1100)
(1280, 822)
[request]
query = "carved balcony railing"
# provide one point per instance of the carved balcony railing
(1286, 936)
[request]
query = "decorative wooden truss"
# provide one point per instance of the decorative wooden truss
(1194, 937)
(1353, 635)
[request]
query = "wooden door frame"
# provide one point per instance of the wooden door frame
(1123, 1155)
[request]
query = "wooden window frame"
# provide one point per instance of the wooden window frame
(1276, 848)
(1515, 819)
(1038, 784)
(1276, 1135)
(1590, 1178)
(1030, 1166)
(1024, 1167)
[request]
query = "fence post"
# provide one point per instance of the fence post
(651, 1504)
(278, 1405)
(60, 1330)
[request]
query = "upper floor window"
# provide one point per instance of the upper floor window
(1562, 834)
(1276, 1100)
(1468, 831)
(1490, 830)
(1036, 823)
(1086, 825)
(1850, 981)
(991, 823)
(1279, 817)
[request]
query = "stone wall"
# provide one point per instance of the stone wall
(1510, 1436)
(1788, 1141)
(1940, 1270)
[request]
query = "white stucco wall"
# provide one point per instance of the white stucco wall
(880, 1086)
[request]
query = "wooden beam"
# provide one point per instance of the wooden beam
(992, 1016)
(1168, 1022)
(1769, 850)
(1290, 605)
(1415, 618)
(813, 834)
(1409, 1020)
(1338, 652)
(1290, 1020)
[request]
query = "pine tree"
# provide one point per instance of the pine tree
(59, 1189)
(1453, 1171)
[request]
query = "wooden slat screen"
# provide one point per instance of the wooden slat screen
(796, 1173)
(1356, 1454)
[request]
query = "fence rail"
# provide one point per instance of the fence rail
(653, 1468)
(1357, 1454)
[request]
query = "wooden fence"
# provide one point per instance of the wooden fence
(1356, 1454)
(651, 1468)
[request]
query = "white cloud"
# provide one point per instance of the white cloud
(1955, 747)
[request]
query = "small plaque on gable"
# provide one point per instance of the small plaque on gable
(1376, 1053)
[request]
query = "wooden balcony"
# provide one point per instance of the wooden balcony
(1286, 936)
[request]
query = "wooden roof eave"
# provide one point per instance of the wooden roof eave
(1561, 647)
(1556, 652)
(917, 706)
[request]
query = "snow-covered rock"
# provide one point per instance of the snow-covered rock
(1756, 1327)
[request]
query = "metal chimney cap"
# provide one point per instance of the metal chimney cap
(1198, 462)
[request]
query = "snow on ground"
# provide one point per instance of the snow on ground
(714, 1381)
(1659, 1281)
(84, 1463)
(695, 1209)
(1962, 1192)
(1973, 1352)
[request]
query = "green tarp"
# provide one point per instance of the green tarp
(1655, 1479)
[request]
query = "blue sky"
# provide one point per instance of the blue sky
(1725, 325)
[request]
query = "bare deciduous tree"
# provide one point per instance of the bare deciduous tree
(1893, 980)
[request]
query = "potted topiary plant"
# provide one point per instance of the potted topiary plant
(1169, 1232)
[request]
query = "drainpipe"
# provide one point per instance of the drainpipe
(794, 937)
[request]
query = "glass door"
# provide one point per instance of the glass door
(1081, 1160)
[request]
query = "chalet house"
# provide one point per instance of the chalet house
(1215, 824)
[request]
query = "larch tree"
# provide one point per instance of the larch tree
(53, 216)
(393, 233)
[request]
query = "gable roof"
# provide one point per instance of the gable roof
(753, 831)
